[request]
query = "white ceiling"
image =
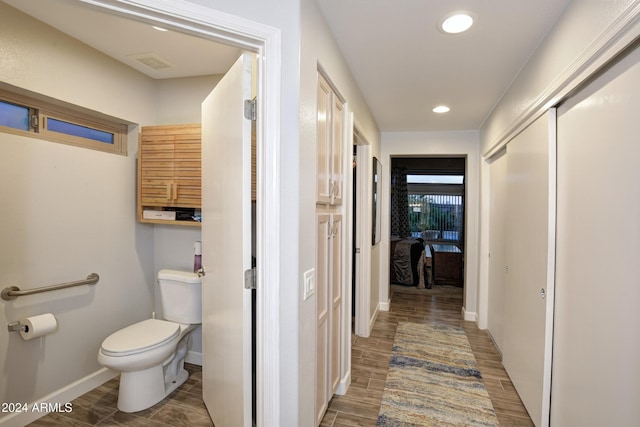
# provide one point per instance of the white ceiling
(125, 39)
(402, 63)
(405, 66)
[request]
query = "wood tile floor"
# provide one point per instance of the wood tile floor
(370, 358)
(359, 407)
(182, 408)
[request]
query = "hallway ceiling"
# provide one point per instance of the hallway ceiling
(403, 64)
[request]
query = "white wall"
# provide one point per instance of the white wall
(582, 24)
(320, 49)
(285, 16)
(586, 36)
(67, 212)
(179, 100)
(73, 209)
(418, 144)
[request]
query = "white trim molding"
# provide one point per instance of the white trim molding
(469, 316)
(344, 383)
(623, 31)
(194, 357)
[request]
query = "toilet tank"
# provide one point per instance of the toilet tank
(180, 296)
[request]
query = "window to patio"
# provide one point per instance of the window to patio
(436, 207)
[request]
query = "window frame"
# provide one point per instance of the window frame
(42, 110)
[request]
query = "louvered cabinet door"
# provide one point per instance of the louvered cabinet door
(169, 169)
(156, 167)
(187, 168)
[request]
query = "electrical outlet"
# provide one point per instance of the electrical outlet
(309, 284)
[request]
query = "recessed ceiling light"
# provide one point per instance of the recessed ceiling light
(456, 23)
(159, 28)
(441, 109)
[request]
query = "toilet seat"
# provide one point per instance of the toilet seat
(140, 337)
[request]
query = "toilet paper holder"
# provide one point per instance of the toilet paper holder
(17, 327)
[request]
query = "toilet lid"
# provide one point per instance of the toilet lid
(139, 337)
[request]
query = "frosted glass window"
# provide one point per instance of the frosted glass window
(435, 179)
(60, 126)
(14, 116)
(36, 116)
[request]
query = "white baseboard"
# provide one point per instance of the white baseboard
(61, 397)
(344, 384)
(494, 344)
(194, 357)
(469, 316)
(384, 306)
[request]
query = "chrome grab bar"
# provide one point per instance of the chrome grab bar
(12, 292)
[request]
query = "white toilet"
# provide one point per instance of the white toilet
(150, 354)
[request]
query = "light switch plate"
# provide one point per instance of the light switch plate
(308, 284)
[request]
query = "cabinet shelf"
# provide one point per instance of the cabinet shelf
(172, 222)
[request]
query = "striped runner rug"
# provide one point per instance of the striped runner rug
(433, 380)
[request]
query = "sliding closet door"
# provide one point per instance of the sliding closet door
(596, 360)
(527, 310)
(497, 252)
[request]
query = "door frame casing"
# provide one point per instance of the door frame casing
(363, 323)
(265, 41)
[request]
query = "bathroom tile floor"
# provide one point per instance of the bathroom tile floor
(183, 407)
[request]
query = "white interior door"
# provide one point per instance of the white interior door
(530, 242)
(226, 248)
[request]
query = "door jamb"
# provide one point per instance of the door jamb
(363, 324)
(264, 40)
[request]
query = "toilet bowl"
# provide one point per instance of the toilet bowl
(150, 354)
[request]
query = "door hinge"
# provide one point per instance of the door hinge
(250, 278)
(250, 109)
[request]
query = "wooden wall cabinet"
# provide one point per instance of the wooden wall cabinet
(169, 170)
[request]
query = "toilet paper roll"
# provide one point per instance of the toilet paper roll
(37, 326)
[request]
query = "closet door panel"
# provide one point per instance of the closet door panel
(497, 253)
(527, 342)
(596, 380)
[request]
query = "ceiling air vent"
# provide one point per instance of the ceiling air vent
(152, 60)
